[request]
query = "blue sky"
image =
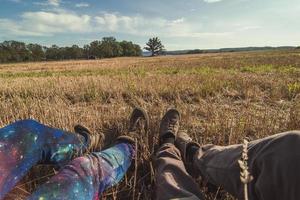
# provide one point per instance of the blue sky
(181, 24)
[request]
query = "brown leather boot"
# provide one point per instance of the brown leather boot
(183, 142)
(169, 125)
(138, 126)
(94, 141)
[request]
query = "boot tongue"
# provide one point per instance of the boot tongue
(133, 126)
(85, 138)
(83, 134)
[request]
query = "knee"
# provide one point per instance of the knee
(292, 134)
(82, 165)
(290, 138)
(27, 123)
(295, 132)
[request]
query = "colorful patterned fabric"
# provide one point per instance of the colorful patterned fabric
(86, 177)
(25, 143)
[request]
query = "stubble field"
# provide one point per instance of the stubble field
(222, 98)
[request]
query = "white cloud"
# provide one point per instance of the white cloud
(111, 22)
(247, 28)
(49, 23)
(54, 2)
(81, 5)
(177, 21)
(12, 28)
(211, 1)
(16, 1)
(54, 22)
(141, 26)
(46, 24)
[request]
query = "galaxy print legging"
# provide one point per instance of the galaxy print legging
(26, 143)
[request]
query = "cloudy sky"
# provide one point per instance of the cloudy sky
(181, 24)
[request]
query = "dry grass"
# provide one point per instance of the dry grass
(222, 98)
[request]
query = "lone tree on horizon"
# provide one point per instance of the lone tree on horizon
(155, 46)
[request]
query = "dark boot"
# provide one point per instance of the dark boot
(138, 126)
(169, 126)
(94, 140)
(186, 146)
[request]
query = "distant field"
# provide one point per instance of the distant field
(222, 97)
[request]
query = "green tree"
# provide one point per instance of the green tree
(4, 53)
(130, 49)
(15, 51)
(36, 52)
(110, 47)
(74, 52)
(86, 51)
(155, 46)
(95, 49)
(138, 50)
(77, 52)
(195, 51)
(53, 53)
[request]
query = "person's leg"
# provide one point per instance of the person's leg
(219, 166)
(172, 179)
(25, 143)
(273, 162)
(88, 176)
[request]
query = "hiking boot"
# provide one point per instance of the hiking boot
(169, 125)
(186, 146)
(94, 141)
(138, 124)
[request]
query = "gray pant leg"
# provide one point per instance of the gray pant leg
(172, 179)
(274, 163)
(218, 165)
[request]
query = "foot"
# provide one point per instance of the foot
(138, 124)
(94, 141)
(186, 146)
(169, 126)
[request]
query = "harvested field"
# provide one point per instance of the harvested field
(223, 98)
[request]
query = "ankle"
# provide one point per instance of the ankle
(125, 139)
(191, 151)
(167, 138)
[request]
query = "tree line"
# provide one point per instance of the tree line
(108, 47)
